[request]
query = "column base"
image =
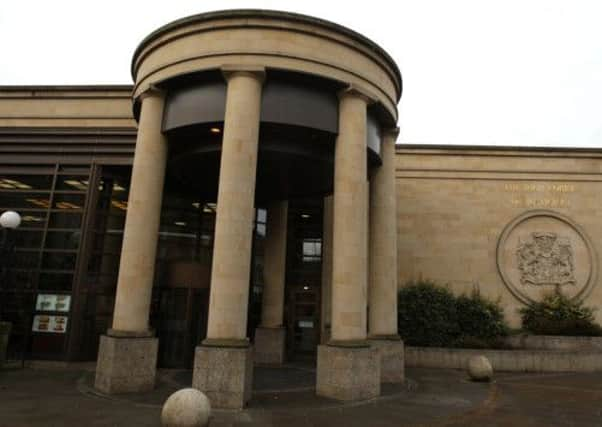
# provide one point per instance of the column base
(269, 346)
(391, 351)
(126, 365)
(224, 374)
(348, 373)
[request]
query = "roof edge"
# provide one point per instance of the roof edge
(485, 148)
(87, 87)
(268, 13)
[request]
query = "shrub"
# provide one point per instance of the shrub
(427, 315)
(430, 315)
(480, 318)
(556, 314)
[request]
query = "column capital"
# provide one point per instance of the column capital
(355, 91)
(255, 71)
(150, 91)
(392, 133)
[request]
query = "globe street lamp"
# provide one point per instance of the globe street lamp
(9, 221)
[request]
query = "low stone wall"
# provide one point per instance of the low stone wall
(553, 342)
(522, 360)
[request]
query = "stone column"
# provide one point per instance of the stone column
(326, 271)
(270, 336)
(127, 356)
(348, 368)
(223, 366)
(383, 263)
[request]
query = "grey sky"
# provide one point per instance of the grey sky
(475, 72)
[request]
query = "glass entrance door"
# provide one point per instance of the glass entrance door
(303, 322)
(182, 326)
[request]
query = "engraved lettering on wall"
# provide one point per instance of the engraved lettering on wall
(539, 195)
(546, 259)
(529, 187)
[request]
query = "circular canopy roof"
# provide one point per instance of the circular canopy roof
(270, 39)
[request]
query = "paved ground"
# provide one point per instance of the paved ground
(284, 397)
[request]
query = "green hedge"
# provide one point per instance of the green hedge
(556, 314)
(430, 315)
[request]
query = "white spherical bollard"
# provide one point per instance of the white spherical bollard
(188, 407)
(479, 369)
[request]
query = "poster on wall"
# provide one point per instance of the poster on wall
(53, 302)
(50, 324)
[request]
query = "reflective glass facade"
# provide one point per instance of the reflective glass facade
(69, 245)
(43, 256)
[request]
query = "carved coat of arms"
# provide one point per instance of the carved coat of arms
(546, 259)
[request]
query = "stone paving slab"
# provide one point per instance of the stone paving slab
(65, 397)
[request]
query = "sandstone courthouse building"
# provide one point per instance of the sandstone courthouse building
(244, 202)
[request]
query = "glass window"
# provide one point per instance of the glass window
(74, 170)
(24, 200)
(26, 259)
(65, 220)
(33, 220)
(55, 281)
(260, 221)
(28, 238)
(59, 261)
(52, 208)
(108, 223)
(312, 250)
(106, 263)
(22, 279)
(25, 182)
(63, 239)
(69, 201)
(180, 221)
(72, 183)
(261, 229)
(118, 208)
(109, 242)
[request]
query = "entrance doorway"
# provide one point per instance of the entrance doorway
(183, 324)
(303, 322)
(303, 278)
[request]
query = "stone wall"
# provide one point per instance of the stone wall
(515, 223)
(506, 360)
(98, 106)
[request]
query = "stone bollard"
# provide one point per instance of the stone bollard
(479, 368)
(188, 407)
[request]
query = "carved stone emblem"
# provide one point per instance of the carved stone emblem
(545, 260)
(541, 250)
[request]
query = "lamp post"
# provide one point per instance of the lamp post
(9, 221)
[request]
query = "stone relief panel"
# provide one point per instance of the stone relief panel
(546, 260)
(542, 251)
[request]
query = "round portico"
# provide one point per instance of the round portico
(251, 107)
